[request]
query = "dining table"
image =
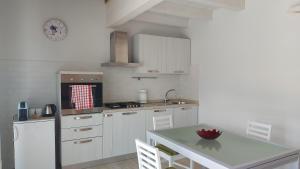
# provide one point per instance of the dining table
(229, 151)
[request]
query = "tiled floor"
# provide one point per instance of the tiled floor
(132, 164)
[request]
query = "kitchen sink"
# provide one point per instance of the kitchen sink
(178, 102)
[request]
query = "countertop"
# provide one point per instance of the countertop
(158, 104)
(30, 120)
(155, 104)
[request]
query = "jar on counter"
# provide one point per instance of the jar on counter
(143, 96)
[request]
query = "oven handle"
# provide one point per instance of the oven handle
(87, 84)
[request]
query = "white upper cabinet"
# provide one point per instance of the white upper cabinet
(149, 50)
(162, 55)
(178, 54)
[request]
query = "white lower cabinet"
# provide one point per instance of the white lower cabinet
(120, 130)
(81, 138)
(81, 132)
(81, 120)
(185, 116)
(82, 150)
(153, 113)
(108, 135)
(127, 126)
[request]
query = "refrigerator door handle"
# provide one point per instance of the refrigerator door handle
(16, 133)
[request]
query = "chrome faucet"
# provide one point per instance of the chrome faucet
(167, 93)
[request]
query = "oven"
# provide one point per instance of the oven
(93, 80)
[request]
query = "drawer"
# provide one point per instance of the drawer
(80, 151)
(81, 132)
(81, 120)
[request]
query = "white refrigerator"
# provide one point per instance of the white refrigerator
(34, 143)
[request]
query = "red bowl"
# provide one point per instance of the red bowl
(209, 134)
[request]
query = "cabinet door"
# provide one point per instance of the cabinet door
(81, 132)
(127, 126)
(82, 150)
(149, 50)
(34, 144)
(135, 122)
(185, 116)
(184, 59)
(81, 120)
(152, 113)
(108, 135)
(120, 135)
(178, 54)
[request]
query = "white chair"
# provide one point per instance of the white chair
(148, 156)
(166, 122)
(259, 130)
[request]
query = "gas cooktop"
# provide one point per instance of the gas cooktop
(122, 105)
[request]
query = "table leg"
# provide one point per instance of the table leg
(299, 162)
(191, 164)
(149, 141)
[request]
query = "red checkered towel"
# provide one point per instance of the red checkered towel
(82, 97)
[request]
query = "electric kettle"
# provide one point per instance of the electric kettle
(49, 110)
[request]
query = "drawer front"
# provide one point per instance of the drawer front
(80, 151)
(81, 120)
(81, 132)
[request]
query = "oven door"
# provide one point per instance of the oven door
(66, 95)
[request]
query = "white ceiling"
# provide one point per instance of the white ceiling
(179, 12)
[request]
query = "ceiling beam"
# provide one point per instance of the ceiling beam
(184, 11)
(122, 11)
(226, 4)
(152, 17)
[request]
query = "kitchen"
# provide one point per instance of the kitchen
(29, 63)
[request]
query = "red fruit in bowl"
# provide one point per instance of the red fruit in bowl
(209, 134)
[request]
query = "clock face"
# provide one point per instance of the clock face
(55, 30)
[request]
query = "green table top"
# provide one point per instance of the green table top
(230, 149)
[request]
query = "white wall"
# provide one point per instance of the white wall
(249, 68)
(29, 62)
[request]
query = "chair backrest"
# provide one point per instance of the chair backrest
(162, 122)
(148, 156)
(259, 130)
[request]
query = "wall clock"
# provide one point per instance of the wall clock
(55, 29)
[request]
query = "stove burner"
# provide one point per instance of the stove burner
(122, 105)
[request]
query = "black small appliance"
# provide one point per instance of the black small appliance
(22, 111)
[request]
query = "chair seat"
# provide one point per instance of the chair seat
(166, 150)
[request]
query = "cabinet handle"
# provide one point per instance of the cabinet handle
(83, 142)
(185, 108)
(178, 71)
(84, 129)
(153, 71)
(83, 117)
(108, 115)
(129, 113)
(160, 110)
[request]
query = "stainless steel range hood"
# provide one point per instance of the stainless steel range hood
(119, 47)
(119, 50)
